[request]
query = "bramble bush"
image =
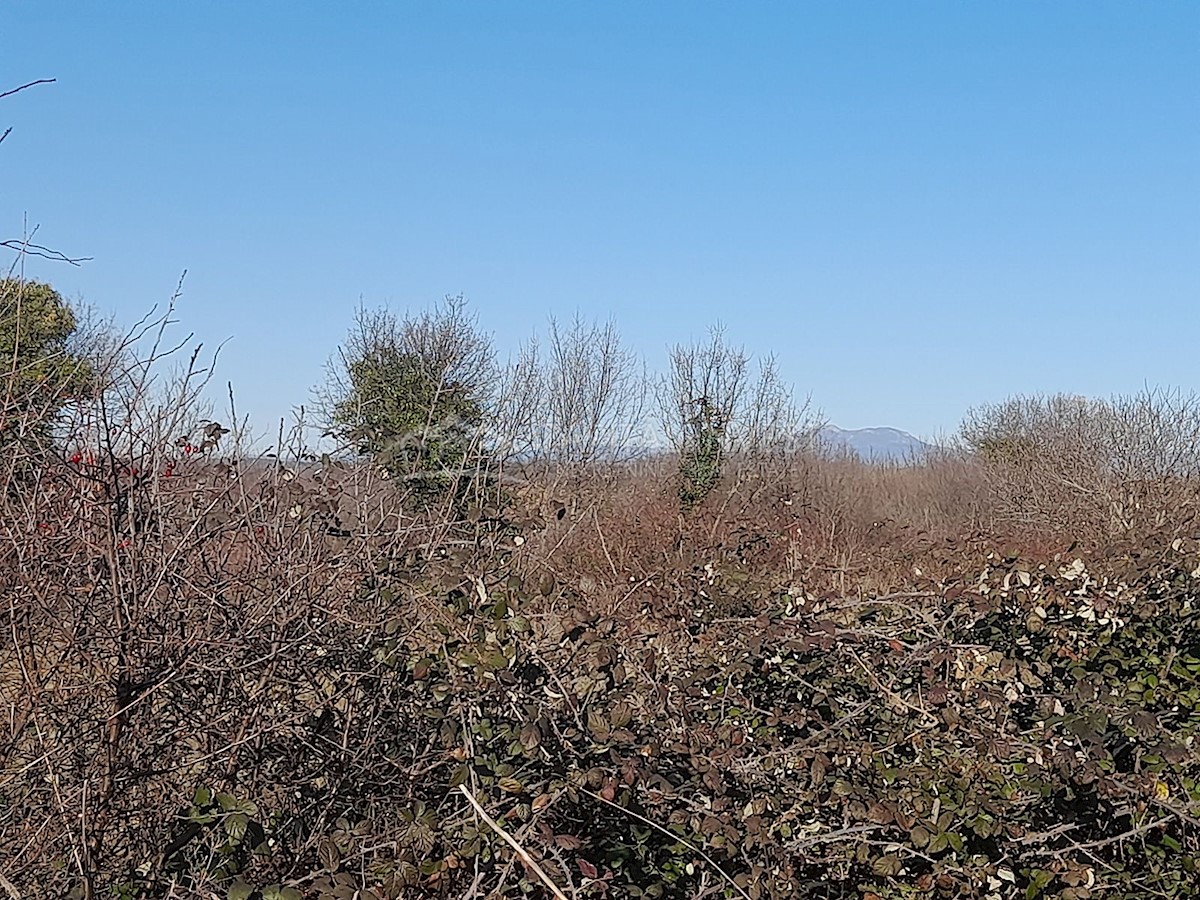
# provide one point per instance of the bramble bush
(275, 678)
(425, 673)
(272, 684)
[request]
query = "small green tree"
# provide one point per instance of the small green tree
(42, 369)
(412, 393)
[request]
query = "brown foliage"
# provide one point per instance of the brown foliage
(270, 678)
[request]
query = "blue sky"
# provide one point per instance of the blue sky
(918, 206)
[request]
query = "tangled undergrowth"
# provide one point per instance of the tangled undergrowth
(275, 681)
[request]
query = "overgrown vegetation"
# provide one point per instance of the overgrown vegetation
(274, 678)
(486, 649)
(1067, 461)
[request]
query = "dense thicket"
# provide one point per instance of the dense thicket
(275, 678)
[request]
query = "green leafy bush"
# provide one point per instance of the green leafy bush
(41, 370)
(701, 456)
(411, 393)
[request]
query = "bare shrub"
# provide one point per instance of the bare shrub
(703, 392)
(185, 648)
(724, 418)
(517, 425)
(1085, 465)
(594, 393)
(573, 404)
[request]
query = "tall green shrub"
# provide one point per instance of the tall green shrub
(412, 393)
(723, 418)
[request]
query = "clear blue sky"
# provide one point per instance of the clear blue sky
(919, 206)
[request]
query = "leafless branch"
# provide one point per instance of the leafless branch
(23, 87)
(29, 249)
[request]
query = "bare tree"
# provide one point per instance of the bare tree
(518, 406)
(703, 390)
(719, 414)
(773, 423)
(1088, 465)
(594, 393)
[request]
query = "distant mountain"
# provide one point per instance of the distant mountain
(875, 444)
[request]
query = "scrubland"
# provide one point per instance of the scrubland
(738, 666)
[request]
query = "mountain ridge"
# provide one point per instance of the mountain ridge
(876, 444)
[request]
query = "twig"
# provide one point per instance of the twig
(10, 888)
(1042, 836)
(884, 689)
(18, 90)
(1104, 842)
(525, 857)
(603, 543)
(831, 836)
(28, 249)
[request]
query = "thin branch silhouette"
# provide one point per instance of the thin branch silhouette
(29, 249)
(17, 90)
(23, 87)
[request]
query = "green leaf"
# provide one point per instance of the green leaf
(235, 826)
(1038, 879)
(887, 866)
(239, 890)
(227, 801)
(510, 785)
(495, 660)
